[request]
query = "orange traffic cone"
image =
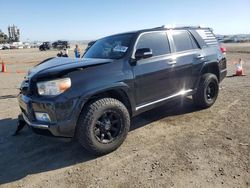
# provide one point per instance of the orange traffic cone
(239, 72)
(3, 67)
(239, 68)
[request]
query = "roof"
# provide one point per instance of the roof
(162, 28)
(167, 27)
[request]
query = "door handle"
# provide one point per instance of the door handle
(200, 56)
(172, 61)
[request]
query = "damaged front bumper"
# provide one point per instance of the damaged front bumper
(34, 125)
(63, 115)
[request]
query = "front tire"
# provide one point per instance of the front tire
(103, 126)
(207, 91)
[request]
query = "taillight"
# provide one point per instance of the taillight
(223, 50)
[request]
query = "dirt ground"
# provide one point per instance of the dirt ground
(172, 146)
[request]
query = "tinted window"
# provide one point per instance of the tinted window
(156, 41)
(113, 47)
(208, 36)
(183, 41)
(194, 43)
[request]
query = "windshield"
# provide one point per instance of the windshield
(113, 47)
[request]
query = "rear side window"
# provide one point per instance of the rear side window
(183, 41)
(208, 37)
(156, 41)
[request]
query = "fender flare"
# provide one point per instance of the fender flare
(209, 67)
(119, 86)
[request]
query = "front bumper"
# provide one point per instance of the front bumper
(34, 125)
(63, 114)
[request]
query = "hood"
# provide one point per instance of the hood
(62, 65)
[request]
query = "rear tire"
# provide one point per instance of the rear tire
(207, 91)
(103, 126)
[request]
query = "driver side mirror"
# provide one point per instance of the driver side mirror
(143, 53)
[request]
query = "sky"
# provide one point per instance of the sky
(92, 19)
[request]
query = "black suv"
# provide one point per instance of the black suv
(121, 76)
(60, 44)
(45, 46)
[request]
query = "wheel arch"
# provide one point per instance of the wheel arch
(116, 93)
(209, 67)
(213, 68)
(119, 92)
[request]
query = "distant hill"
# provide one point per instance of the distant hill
(234, 38)
(80, 42)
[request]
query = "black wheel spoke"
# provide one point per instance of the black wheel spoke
(114, 121)
(99, 123)
(107, 127)
(109, 136)
(211, 91)
(105, 115)
(113, 128)
(102, 136)
(110, 116)
(208, 90)
(97, 132)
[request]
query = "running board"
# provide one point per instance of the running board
(180, 93)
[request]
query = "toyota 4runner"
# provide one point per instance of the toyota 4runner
(121, 76)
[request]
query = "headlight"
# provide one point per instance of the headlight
(53, 87)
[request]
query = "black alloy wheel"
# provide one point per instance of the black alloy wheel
(108, 127)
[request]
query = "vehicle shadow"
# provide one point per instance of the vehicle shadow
(29, 153)
(234, 75)
(7, 97)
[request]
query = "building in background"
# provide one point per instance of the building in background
(14, 34)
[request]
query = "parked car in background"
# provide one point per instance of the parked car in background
(35, 44)
(13, 47)
(6, 47)
(60, 44)
(45, 46)
(26, 45)
(16, 45)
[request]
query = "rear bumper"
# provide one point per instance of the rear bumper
(223, 74)
(223, 69)
(63, 115)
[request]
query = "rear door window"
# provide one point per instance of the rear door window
(156, 41)
(183, 41)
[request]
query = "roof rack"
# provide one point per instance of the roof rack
(183, 27)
